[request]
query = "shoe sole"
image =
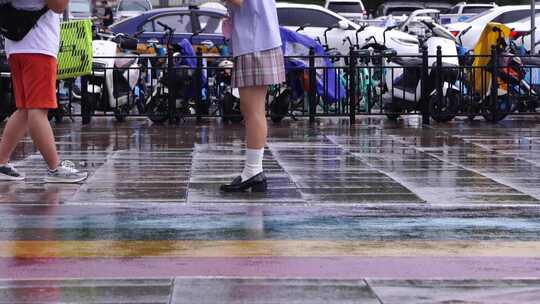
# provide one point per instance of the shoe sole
(7, 178)
(64, 181)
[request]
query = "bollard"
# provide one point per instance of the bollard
(494, 83)
(198, 86)
(312, 86)
(353, 92)
(424, 106)
(171, 109)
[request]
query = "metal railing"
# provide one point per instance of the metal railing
(361, 83)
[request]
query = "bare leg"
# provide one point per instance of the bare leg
(14, 131)
(252, 105)
(42, 136)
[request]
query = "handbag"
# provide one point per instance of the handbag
(15, 23)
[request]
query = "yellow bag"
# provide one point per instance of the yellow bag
(75, 56)
(482, 51)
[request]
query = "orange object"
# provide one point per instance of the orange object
(34, 80)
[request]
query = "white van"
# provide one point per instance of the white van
(353, 10)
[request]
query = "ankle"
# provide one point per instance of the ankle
(55, 168)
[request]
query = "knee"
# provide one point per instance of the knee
(37, 113)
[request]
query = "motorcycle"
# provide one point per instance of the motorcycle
(183, 83)
(226, 94)
(405, 90)
(291, 96)
(510, 86)
(111, 86)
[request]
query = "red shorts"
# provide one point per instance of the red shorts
(34, 80)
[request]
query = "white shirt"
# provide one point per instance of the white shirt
(44, 38)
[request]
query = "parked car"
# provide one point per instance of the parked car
(80, 9)
(398, 8)
(442, 7)
(131, 8)
(472, 8)
(353, 10)
(314, 20)
(200, 24)
(502, 14)
(521, 30)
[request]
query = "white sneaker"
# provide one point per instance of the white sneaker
(66, 174)
(9, 173)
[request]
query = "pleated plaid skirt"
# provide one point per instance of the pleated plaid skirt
(258, 69)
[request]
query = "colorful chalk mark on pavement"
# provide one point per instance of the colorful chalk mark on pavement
(376, 213)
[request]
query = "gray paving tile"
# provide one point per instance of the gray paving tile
(258, 291)
(465, 291)
(86, 291)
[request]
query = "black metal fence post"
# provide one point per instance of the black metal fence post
(85, 102)
(171, 75)
(425, 79)
(494, 92)
(312, 86)
(353, 92)
(439, 70)
(198, 86)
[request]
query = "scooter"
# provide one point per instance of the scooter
(183, 88)
(405, 91)
(114, 78)
(510, 86)
(529, 99)
(226, 94)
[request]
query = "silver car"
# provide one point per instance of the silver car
(131, 8)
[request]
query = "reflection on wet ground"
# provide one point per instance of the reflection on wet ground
(353, 214)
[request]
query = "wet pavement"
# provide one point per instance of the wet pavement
(379, 212)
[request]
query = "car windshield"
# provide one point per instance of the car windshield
(134, 5)
(79, 6)
(483, 14)
(476, 9)
(346, 7)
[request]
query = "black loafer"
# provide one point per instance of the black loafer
(256, 184)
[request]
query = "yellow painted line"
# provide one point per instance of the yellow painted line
(270, 248)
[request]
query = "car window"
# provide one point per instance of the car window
(210, 24)
(180, 22)
(481, 15)
(346, 7)
(454, 10)
(400, 11)
(148, 26)
(513, 16)
(475, 9)
(300, 16)
(80, 6)
(134, 5)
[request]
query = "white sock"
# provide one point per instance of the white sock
(253, 165)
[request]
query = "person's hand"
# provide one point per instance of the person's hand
(236, 2)
(57, 6)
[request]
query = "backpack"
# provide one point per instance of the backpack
(15, 24)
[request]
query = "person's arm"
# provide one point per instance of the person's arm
(57, 6)
(236, 2)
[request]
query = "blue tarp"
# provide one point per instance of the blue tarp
(328, 81)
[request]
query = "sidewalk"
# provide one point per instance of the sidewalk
(378, 213)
